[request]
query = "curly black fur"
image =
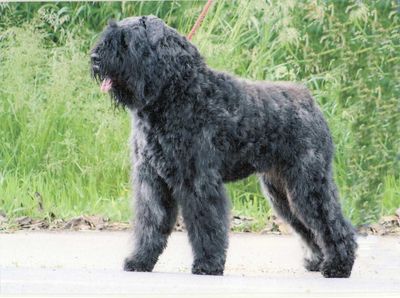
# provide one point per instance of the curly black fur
(194, 128)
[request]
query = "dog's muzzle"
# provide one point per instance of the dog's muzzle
(106, 83)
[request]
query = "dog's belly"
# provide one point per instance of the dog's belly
(237, 171)
(242, 159)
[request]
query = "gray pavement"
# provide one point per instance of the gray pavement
(90, 263)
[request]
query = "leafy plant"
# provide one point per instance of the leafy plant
(60, 138)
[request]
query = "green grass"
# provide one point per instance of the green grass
(61, 140)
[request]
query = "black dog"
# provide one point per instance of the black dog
(195, 128)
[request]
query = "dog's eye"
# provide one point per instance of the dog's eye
(146, 53)
(123, 43)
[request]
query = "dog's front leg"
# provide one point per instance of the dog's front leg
(155, 217)
(205, 209)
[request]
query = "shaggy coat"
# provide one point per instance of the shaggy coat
(194, 128)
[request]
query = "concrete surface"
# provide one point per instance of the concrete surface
(91, 262)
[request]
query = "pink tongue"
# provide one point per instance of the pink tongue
(106, 85)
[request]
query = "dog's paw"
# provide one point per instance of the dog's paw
(336, 269)
(313, 264)
(130, 264)
(207, 268)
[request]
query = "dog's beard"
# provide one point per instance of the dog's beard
(106, 85)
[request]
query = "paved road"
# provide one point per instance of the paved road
(90, 262)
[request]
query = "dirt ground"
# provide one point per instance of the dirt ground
(387, 225)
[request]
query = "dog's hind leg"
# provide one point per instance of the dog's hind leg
(273, 188)
(313, 198)
(155, 217)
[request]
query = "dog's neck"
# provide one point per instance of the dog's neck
(176, 95)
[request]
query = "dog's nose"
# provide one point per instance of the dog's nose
(95, 57)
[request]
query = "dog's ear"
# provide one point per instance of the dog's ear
(112, 23)
(154, 29)
(124, 38)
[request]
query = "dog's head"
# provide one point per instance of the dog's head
(137, 58)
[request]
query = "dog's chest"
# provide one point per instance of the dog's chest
(163, 147)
